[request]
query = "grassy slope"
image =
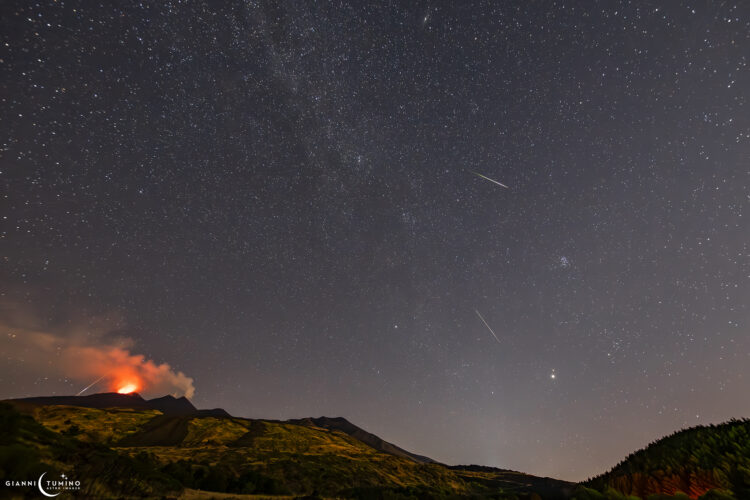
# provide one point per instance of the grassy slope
(28, 449)
(299, 460)
(304, 459)
(253, 456)
(103, 427)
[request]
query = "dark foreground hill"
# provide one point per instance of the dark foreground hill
(692, 462)
(140, 451)
(28, 449)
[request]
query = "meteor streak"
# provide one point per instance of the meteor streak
(488, 326)
(91, 384)
(488, 179)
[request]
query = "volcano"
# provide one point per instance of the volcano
(168, 405)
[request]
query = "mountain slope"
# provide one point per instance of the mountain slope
(236, 455)
(29, 449)
(692, 461)
(343, 425)
(135, 447)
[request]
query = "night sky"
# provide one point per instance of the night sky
(281, 201)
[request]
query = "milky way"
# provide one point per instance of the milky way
(277, 199)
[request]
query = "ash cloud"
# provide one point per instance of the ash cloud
(79, 351)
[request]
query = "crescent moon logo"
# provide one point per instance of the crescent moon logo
(39, 483)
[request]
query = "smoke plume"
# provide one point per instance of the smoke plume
(82, 351)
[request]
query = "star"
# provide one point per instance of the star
(270, 199)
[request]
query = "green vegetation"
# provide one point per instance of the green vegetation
(151, 454)
(121, 452)
(707, 462)
(27, 449)
(110, 425)
(225, 479)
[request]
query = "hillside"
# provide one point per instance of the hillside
(28, 449)
(343, 425)
(166, 447)
(180, 452)
(691, 461)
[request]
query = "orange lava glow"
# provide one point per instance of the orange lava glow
(127, 388)
(126, 380)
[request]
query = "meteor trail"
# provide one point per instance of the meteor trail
(92, 384)
(488, 326)
(488, 179)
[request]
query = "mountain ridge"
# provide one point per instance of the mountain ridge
(345, 426)
(168, 405)
(212, 450)
(171, 406)
(169, 455)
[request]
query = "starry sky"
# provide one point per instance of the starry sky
(281, 200)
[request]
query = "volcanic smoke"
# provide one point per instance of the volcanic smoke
(88, 355)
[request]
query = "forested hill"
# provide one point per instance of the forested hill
(692, 461)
